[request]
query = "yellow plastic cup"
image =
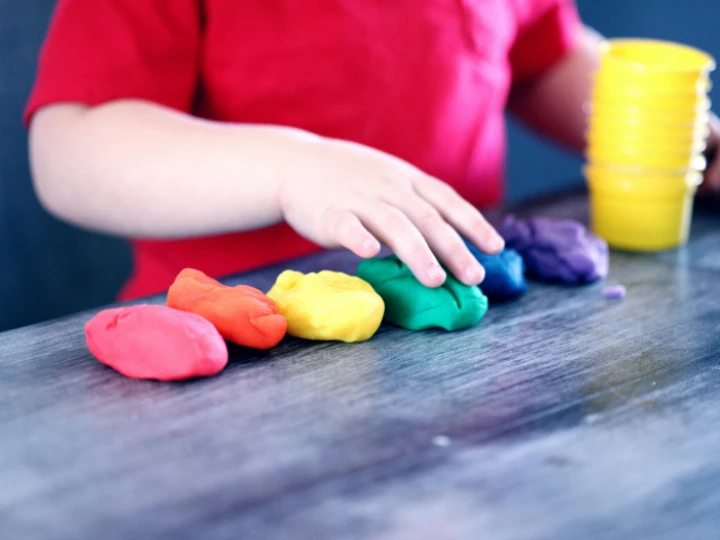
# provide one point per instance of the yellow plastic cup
(631, 103)
(654, 64)
(626, 96)
(673, 181)
(657, 131)
(644, 55)
(605, 78)
(651, 100)
(608, 125)
(628, 157)
(641, 211)
(635, 115)
(680, 147)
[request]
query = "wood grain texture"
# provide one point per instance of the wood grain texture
(567, 416)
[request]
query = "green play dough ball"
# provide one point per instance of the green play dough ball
(411, 305)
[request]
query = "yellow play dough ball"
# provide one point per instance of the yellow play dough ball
(328, 306)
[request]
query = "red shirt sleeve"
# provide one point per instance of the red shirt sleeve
(102, 50)
(548, 30)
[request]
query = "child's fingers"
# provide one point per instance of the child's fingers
(444, 241)
(460, 214)
(349, 232)
(712, 181)
(397, 232)
(712, 174)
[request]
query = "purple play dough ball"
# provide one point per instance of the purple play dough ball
(614, 292)
(557, 250)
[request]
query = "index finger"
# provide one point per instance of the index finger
(462, 215)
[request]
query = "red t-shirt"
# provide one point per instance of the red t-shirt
(425, 80)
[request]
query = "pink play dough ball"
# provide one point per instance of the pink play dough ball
(156, 342)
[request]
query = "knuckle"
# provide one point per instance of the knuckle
(461, 254)
(419, 254)
(332, 217)
(429, 218)
(477, 223)
(445, 190)
(448, 189)
(337, 224)
(394, 219)
(386, 180)
(393, 177)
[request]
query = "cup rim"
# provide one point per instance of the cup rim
(646, 174)
(632, 93)
(640, 192)
(654, 82)
(667, 121)
(609, 48)
(651, 129)
(627, 99)
(640, 171)
(612, 71)
(635, 188)
(597, 148)
(646, 124)
(697, 162)
(619, 137)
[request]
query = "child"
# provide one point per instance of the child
(228, 134)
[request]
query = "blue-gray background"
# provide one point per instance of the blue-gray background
(48, 269)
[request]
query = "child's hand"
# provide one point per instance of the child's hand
(712, 173)
(352, 196)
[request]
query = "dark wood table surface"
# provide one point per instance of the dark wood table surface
(561, 416)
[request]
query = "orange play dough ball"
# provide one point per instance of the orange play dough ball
(242, 314)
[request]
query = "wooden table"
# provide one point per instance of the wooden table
(562, 415)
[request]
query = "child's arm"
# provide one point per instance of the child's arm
(137, 169)
(712, 174)
(554, 103)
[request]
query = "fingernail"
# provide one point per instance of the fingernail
(498, 243)
(435, 272)
(368, 245)
(474, 274)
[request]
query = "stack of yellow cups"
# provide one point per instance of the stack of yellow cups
(648, 130)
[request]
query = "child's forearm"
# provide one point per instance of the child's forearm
(554, 104)
(136, 169)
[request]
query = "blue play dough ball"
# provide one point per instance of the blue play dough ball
(504, 273)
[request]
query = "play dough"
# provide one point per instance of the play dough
(156, 342)
(557, 250)
(411, 305)
(242, 314)
(504, 273)
(328, 306)
(614, 292)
